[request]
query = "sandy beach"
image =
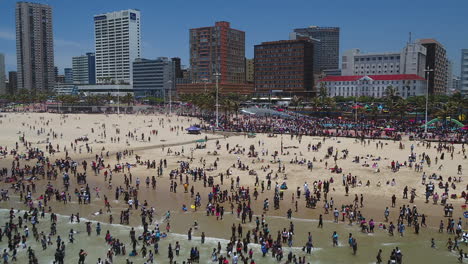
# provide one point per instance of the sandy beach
(163, 139)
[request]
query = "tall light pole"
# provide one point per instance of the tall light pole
(217, 75)
(170, 96)
(205, 81)
(118, 99)
(427, 71)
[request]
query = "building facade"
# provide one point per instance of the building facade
(411, 60)
(118, 44)
(285, 65)
(68, 73)
(34, 47)
(405, 85)
(12, 82)
(217, 49)
(249, 70)
(326, 46)
(436, 60)
(3, 89)
(464, 72)
(154, 77)
(84, 69)
(456, 84)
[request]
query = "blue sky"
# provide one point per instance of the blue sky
(371, 25)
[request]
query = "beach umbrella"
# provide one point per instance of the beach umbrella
(193, 128)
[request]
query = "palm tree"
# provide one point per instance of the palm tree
(401, 107)
(323, 92)
(128, 99)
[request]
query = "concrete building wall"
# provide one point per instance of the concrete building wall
(374, 86)
(411, 60)
(153, 77)
(464, 72)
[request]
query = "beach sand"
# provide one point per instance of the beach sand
(172, 135)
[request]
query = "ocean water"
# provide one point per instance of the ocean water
(415, 248)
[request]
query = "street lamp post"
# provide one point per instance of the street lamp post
(170, 96)
(205, 81)
(217, 75)
(427, 71)
(118, 99)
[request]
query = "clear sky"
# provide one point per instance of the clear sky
(371, 25)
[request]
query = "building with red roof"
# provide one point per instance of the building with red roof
(404, 85)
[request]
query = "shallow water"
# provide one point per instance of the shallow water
(415, 248)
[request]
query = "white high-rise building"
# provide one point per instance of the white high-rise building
(411, 60)
(118, 44)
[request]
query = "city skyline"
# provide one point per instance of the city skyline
(389, 25)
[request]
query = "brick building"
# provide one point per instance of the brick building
(285, 65)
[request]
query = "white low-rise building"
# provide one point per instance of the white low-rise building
(404, 85)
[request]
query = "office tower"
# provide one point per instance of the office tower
(84, 69)
(436, 60)
(177, 68)
(218, 49)
(326, 46)
(295, 76)
(411, 60)
(68, 72)
(464, 72)
(249, 70)
(12, 82)
(34, 47)
(153, 77)
(3, 89)
(118, 44)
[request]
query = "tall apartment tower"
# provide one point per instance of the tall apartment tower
(218, 49)
(84, 69)
(326, 46)
(464, 72)
(118, 44)
(436, 60)
(3, 89)
(34, 47)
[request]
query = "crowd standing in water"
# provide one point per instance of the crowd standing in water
(65, 179)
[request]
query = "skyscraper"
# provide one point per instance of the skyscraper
(117, 43)
(84, 69)
(3, 89)
(326, 46)
(34, 47)
(464, 72)
(436, 60)
(218, 49)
